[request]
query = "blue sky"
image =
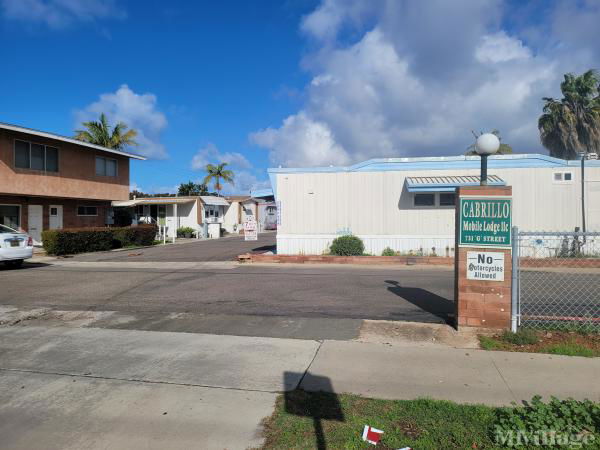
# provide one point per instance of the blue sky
(291, 82)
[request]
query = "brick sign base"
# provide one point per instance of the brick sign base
(481, 303)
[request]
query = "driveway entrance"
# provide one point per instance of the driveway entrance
(224, 249)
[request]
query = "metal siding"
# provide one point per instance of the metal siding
(377, 206)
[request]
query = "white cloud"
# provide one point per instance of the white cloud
(395, 78)
(210, 154)
(60, 13)
(138, 111)
(500, 47)
(301, 141)
(244, 182)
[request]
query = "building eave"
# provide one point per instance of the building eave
(57, 137)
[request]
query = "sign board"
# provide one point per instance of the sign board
(485, 266)
(250, 229)
(278, 213)
(485, 221)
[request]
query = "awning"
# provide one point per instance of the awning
(448, 183)
(154, 201)
(214, 200)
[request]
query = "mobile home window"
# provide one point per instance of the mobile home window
(424, 199)
(106, 167)
(87, 210)
(447, 199)
(36, 156)
(10, 215)
(562, 177)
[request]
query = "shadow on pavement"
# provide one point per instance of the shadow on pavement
(427, 301)
(264, 248)
(26, 265)
(317, 405)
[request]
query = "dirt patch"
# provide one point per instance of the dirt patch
(413, 333)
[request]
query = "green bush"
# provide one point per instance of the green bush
(388, 252)
(185, 231)
(140, 235)
(566, 418)
(69, 241)
(347, 246)
(521, 337)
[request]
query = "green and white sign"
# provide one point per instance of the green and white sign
(485, 221)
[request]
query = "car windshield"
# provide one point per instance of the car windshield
(5, 229)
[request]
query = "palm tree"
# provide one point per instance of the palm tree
(504, 149)
(191, 188)
(100, 133)
(218, 173)
(572, 124)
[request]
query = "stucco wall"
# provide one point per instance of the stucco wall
(75, 178)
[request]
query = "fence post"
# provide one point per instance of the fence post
(514, 303)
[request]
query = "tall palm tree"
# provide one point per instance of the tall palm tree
(100, 133)
(572, 124)
(218, 173)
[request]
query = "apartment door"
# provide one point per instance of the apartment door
(56, 217)
(35, 221)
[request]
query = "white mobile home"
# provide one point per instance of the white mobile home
(204, 214)
(408, 203)
(240, 206)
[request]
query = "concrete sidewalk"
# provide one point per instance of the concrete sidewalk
(464, 376)
(97, 388)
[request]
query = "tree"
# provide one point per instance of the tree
(504, 149)
(101, 133)
(137, 194)
(218, 173)
(190, 188)
(572, 124)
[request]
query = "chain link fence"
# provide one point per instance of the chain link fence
(558, 280)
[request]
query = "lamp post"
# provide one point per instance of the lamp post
(486, 144)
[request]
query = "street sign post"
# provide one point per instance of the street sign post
(250, 229)
(485, 222)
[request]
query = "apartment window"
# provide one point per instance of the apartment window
(106, 167)
(10, 215)
(447, 199)
(424, 199)
(36, 156)
(562, 177)
(87, 210)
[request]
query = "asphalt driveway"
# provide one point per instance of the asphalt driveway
(224, 249)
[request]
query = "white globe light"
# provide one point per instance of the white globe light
(487, 144)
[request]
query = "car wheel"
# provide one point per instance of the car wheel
(15, 264)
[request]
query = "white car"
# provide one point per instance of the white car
(15, 246)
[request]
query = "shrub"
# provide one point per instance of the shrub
(564, 417)
(69, 241)
(140, 235)
(521, 337)
(185, 231)
(388, 252)
(347, 246)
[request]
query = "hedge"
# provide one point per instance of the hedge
(347, 246)
(69, 241)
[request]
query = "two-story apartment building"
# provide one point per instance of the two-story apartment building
(49, 181)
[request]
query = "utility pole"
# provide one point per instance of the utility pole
(583, 229)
